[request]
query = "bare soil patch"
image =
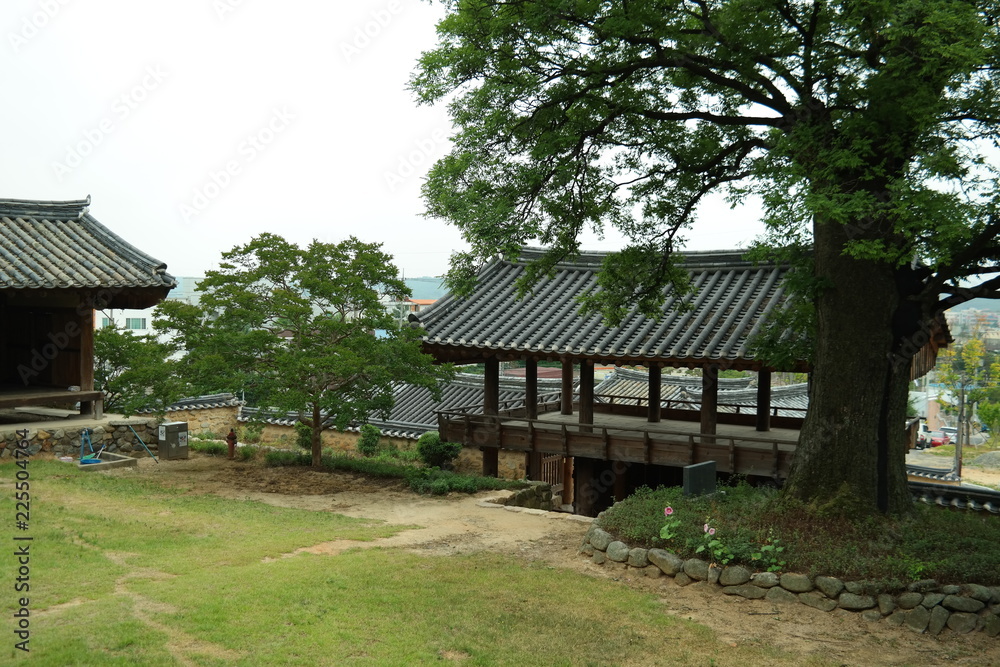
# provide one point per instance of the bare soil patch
(461, 524)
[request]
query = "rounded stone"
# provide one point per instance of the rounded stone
(922, 586)
(796, 583)
(668, 563)
(886, 605)
(977, 592)
(951, 590)
(599, 557)
(817, 601)
(780, 595)
(917, 619)
(618, 551)
(959, 603)
(601, 539)
(932, 599)
(871, 615)
(962, 622)
(734, 575)
(696, 568)
(854, 602)
(682, 579)
(713, 574)
(637, 557)
(909, 600)
(830, 586)
(745, 591)
(764, 579)
(939, 617)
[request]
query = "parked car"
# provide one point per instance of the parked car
(950, 431)
(937, 438)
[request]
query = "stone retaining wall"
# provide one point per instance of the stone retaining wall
(536, 496)
(510, 464)
(923, 607)
(65, 441)
(208, 420)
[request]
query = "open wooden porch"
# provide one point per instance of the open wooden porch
(736, 448)
(43, 401)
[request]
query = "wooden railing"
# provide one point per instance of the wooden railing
(770, 457)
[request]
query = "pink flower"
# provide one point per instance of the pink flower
(668, 511)
(711, 531)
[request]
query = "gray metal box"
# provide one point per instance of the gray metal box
(173, 440)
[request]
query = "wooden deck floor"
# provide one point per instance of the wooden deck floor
(738, 449)
(624, 424)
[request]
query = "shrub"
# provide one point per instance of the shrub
(436, 453)
(303, 436)
(281, 458)
(247, 452)
(250, 432)
(368, 440)
(210, 448)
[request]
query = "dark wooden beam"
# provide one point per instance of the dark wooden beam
(491, 406)
(533, 460)
(531, 388)
(764, 399)
(655, 378)
(567, 386)
(586, 392)
(709, 398)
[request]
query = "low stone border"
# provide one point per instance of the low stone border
(923, 607)
(113, 434)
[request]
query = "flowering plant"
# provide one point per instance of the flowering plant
(669, 530)
(717, 550)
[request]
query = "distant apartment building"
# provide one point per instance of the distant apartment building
(141, 321)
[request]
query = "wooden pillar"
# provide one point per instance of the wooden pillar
(491, 406)
(764, 399)
(655, 388)
(587, 392)
(87, 363)
(532, 460)
(567, 492)
(531, 388)
(709, 398)
(567, 387)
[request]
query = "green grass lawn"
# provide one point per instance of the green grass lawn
(124, 571)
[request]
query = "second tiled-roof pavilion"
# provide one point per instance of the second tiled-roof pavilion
(731, 301)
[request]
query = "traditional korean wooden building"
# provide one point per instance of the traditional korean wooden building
(57, 265)
(616, 445)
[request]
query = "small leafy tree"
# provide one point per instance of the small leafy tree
(303, 436)
(135, 372)
(434, 452)
(989, 415)
(368, 440)
(304, 330)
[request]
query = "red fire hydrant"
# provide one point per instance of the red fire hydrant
(231, 441)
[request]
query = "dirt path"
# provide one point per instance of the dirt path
(462, 524)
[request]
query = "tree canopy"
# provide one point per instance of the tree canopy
(867, 129)
(304, 330)
(134, 371)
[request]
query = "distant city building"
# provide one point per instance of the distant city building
(141, 321)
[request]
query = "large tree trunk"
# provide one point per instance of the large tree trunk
(851, 452)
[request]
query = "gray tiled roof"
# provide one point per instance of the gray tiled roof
(58, 244)
(732, 391)
(732, 296)
(414, 410)
(202, 403)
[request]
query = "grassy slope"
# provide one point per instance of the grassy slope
(147, 575)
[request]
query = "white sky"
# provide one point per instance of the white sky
(145, 104)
